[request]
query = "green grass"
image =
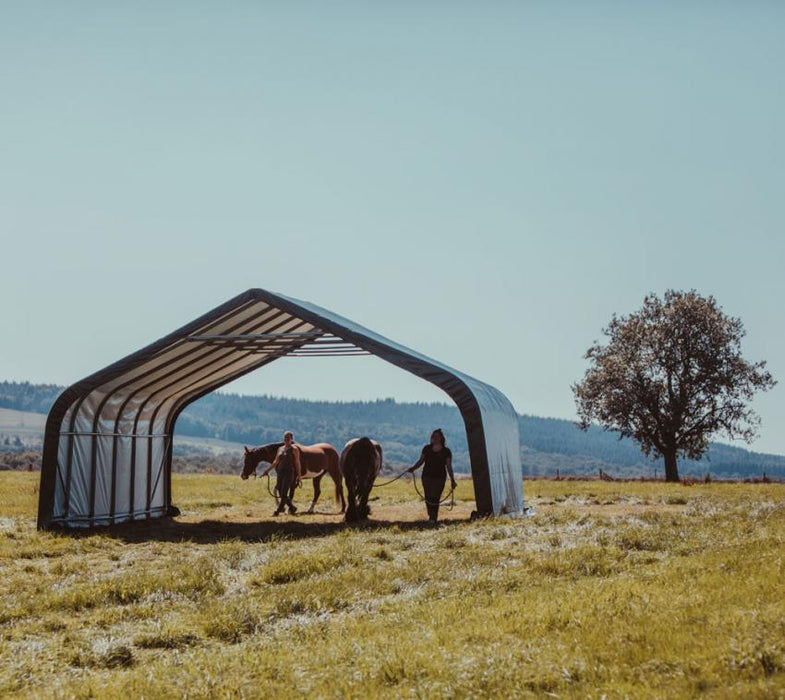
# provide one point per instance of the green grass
(615, 589)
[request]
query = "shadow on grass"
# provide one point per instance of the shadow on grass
(214, 531)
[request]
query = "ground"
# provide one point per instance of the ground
(615, 589)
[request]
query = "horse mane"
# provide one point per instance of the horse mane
(269, 445)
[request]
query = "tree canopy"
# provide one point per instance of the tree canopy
(670, 376)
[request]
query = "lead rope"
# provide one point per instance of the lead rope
(269, 490)
(386, 483)
(449, 497)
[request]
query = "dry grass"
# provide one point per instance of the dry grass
(638, 589)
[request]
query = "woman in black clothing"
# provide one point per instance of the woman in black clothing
(437, 459)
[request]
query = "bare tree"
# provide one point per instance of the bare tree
(670, 376)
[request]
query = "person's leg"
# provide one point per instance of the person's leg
(284, 488)
(432, 488)
(292, 487)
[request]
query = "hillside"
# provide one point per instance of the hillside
(547, 444)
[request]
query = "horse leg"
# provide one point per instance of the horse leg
(363, 507)
(317, 490)
(367, 486)
(365, 493)
(352, 514)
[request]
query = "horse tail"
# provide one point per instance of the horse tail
(380, 464)
(334, 469)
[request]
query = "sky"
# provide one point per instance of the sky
(486, 182)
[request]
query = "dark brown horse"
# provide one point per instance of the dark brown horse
(361, 462)
(315, 461)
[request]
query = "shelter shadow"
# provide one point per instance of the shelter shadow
(214, 531)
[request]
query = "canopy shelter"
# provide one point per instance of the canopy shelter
(108, 442)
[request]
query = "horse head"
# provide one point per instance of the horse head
(249, 464)
(252, 457)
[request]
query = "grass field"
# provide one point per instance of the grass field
(639, 589)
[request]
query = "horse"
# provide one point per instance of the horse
(361, 462)
(315, 461)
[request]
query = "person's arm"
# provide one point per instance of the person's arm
(448, 464)
(297, 468)
(418, 463)
(274, 465)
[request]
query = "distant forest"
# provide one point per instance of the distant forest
(547, 444)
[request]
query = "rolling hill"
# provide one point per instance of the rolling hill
(222, 422)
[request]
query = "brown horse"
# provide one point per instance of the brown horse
(361, 462)
(315, 461)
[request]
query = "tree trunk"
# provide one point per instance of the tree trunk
(671, 469)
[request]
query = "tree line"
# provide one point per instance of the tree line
(547, 444)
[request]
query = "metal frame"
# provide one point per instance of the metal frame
(317, 344)
(136, 402)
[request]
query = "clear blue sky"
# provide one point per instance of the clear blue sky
(485, 182)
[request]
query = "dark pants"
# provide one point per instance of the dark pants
(433, 487)
(284, 485)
